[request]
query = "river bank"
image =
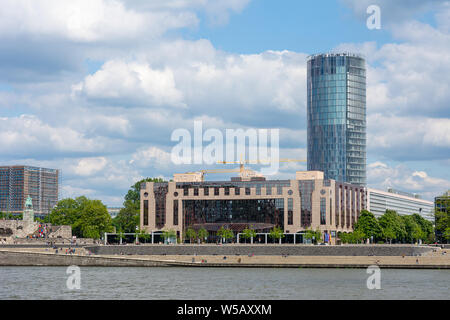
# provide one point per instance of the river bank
(431, 259)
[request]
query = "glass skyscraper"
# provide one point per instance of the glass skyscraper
(337, 116)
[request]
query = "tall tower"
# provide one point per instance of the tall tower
(337, 116)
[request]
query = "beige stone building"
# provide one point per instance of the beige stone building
(306, 202)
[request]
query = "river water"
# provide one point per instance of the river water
(221, 283)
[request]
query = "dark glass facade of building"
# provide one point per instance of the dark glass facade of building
(336, 114)
(269, 211)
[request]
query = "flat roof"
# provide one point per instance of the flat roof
(395, 195)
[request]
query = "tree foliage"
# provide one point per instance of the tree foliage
(313, 235)
(248, 233)
(368, 225)
(191, 234)
(225, 233)
(393, 226)
(276, 233)
(169, 234)
(128, 217)
(202, 234)
(88, 218)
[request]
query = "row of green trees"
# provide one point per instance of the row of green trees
(390, 227)
(10, 216)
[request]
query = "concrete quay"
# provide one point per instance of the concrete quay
(435, 258)
(262, 250)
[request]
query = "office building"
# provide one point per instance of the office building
(307, 202)
(17, 183)
(336, 113)
(402, 202)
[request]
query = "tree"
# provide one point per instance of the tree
(202, 234)
(413, 230)
(392, 225)
(169, 234)
(67, 211)
(121, 235)
(191, 234)
(94, 220)
(248, 233)
(225, 233)
(276, 233)
(447, 234)
(142, 234)
(88, 218)
(358, 236)
(343, 237)
(315, 236)
(368, 225)
(426, 227)
(128, 218)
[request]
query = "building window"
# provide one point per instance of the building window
(175, 212)
(186, 191)
(227, 191)
(160, 204)
(247, 191)
(206, 191)
(290, 211)
(258, 189)
(264, 211)
(269, 190)
(331, 211)
(279, 190)
(145, 212)
(216, 191)
(237, 191)
(195, 191)
(323, 211)
(306, 189)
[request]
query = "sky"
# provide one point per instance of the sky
(96, 87)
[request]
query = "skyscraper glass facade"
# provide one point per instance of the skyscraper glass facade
(337, 116)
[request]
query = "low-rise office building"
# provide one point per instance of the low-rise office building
(306, 202)
(403, 203)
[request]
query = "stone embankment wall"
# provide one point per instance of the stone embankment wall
(264, 250)
(64, 232)
(8, 258)
(17, 228)
(57, 241)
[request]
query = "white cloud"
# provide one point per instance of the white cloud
(151, 157)
(86, 20)
(392, 137)
(89, 166)
(27, 135)
(131, 83)
(382, 176)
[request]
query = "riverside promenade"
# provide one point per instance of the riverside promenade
(258, 256)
